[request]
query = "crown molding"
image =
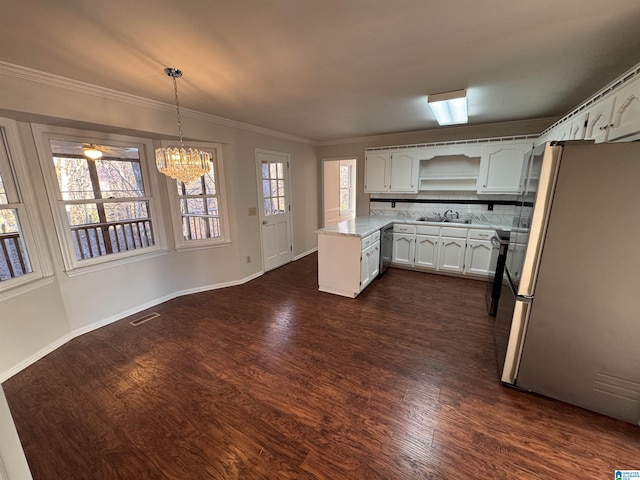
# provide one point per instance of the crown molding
(44, 78)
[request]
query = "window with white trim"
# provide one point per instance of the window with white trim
(103, 204)
(19, 261)
(200, 209)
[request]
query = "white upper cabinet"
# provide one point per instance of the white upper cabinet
(501, 167)
(377, 170)
(392, 171)
(404, 171)
(599, 119)
(579, 126)
(625, 120)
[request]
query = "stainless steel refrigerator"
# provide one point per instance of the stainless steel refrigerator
(568, 325)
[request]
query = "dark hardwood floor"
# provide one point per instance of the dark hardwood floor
(275, 380)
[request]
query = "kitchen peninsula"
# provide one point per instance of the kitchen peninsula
(349, 252)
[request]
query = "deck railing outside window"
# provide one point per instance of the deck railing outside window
(104, 238)
(13, 258)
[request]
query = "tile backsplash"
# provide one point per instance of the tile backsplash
(478, 213)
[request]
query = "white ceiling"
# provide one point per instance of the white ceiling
(330, 69)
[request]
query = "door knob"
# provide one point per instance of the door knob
(264, 222)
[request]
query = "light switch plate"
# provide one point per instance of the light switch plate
(253, 211)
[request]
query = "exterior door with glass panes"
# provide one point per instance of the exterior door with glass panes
(275, 221)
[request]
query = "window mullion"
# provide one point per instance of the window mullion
(97, 193)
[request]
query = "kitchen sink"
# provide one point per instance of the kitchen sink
(444, 220)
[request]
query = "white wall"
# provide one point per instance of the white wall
(41, 318)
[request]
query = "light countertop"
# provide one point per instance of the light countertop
(367, 224)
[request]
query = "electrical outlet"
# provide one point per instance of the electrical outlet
(393, 204)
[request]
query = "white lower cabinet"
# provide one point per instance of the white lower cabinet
(404, 243)
(451, 257)
(369, 264)
(478, 257)
(446, 249)
(426, 251)
(347, 264)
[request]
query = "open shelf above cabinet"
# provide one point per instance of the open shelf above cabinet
(450, 172)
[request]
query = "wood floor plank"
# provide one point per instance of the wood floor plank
(276, 380)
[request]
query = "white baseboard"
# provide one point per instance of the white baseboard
(304, 254)
(114, 318)
(7, 374)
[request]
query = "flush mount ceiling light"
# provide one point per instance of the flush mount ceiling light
(450, 108)
(178, 163)
(92, 151)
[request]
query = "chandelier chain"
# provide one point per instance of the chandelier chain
(175, 92)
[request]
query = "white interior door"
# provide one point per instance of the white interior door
(273, 193)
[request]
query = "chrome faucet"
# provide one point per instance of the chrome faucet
(453, 215)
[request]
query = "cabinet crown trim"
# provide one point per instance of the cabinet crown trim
(472, 141)
(618, 83)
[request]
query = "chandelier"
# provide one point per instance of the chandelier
(184, 165)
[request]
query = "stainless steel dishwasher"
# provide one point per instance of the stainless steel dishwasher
(386, 248)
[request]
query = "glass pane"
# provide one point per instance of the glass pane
(116, 174)
(274, 206)
(198, 228)
(345, 176)
(280, 170)
(87, 213)
(3, 193)
(210, 181)
(274, 188)
(192, 206)
(118, 179)
(123, 211)
(265, 170)
(191, 188)
(73, 178)
(266, 192)
(345, 200)
(273, 170)
(267, 207)
(212, 206)
(282, 208)
(205, 185)
(14, 261)
(281, 188)
(82, 214)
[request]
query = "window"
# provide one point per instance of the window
(200, 212)
(273, 191)
(104, 206)
(14, 258)
(19, 261)
(345, 189)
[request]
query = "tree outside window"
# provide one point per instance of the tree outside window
(105, 201)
